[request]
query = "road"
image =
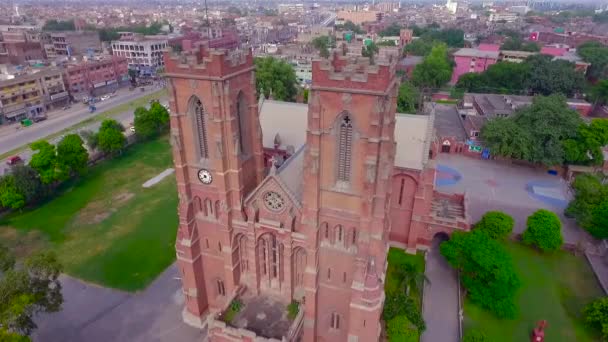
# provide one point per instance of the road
(11, 138)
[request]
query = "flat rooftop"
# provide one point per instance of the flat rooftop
(264, 315)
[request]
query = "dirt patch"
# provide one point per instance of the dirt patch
(97, 211)
(22, 243)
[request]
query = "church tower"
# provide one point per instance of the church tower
(218, 157)
(347, 185)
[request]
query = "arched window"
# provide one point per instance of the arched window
(354, 237)
(339, 233)
(242, 129)
(335, 320)
(200, 120)
(345, 140)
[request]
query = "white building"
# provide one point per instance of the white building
(451, 6)
(143, 53)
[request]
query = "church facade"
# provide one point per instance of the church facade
(285, 203)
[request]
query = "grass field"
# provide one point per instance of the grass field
(398, 257)
(105, 227)
(555, 287)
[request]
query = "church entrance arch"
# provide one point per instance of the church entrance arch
(438, 238)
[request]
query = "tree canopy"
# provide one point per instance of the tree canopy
(419, 47)
(407, 99)
(451, 37)
(44, 161)
(544, 230)
(150, 122)
(516, 44)
(486, 270)
(534, 133)
(58, 25)
(435, 70)
(323, 44)
(277, 77)
(110, 138)
(350, 26)
(72, 156)
(392, 30)
(27, 290)
(597, 55)
(590, 205)
(496, 224)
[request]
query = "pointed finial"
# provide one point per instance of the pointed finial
(273, 165)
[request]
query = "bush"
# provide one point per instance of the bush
(596, 315)
(496, 224)
(399, 329)
(544, 231)
(401, 305)
(292, 310)
(475, 336)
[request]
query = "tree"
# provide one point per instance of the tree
(407, 100)
(589, 204)
(369, 50)
(599, 92)
(544, 230)
(275, 77)
(72, 156)
(110, 136)
(585, 148)
(28, 183)
(27, 290)
(393, 29)
(400, 305)
(350, 26)
(530, 47)
(10, 197)
(7, 259)
(472, 82)
(90, 138)
(596, 314)
(44, 161)
(419, 47)
(412, 277)
(435, 70)
(54, 25)
(496, 224)
(547, 76)
(323, 44)
(149, 123)
(399, 329)
(305, 94)
(486, 270)
(597, 55)
(503, 137)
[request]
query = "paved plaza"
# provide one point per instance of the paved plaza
(92, 313)
(514, 189)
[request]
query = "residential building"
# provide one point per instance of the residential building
(283, 202)
(31, 93)
(505, 17)
(514, 56)
(561, 52)
(143, 53)
(72, 43)
(358, 17)
(567, 38)
(291, 8)
(472, 60)
(96, 76)
(20, 46)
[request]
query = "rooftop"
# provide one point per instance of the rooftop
(291, 173)
(413, 136)
(287, 120)
(468, 52)
(264, 315)
(447, 122)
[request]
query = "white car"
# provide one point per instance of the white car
(132, 129)
(105, 97)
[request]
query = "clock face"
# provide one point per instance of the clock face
(274, 201)
(205, 176)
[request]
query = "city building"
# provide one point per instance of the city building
(20, 46)
(473, 60)
(72, 43)
(96, 76)
(561, 52)
(291, 8)
(143, 53)
(514, 56)
(451, 6)
(357, 17)
(282, 202)
(505, 17)
(32, 93)
(567, 38)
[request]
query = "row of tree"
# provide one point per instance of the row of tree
(50, 165)
(538, 74)
(547, 132)
(590, 204)
(486, 268)
(431, 36)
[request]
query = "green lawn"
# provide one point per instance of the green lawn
(105, 227)
(555, 287)
(398, 257)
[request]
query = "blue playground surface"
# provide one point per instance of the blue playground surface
(549, 192)
(446, 175)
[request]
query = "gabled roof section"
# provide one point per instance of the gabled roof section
(291, 173)
(287, 119)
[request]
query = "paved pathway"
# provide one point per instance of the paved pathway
(440, 299)
(92, 313)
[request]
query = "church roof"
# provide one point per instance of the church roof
(413, 134)
(291, 173)
(287, 119)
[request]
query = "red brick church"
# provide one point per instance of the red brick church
(284, 202)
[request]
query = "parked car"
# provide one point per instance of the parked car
(14, 160)
(39, 118)
(105, 97)
(67, 107)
